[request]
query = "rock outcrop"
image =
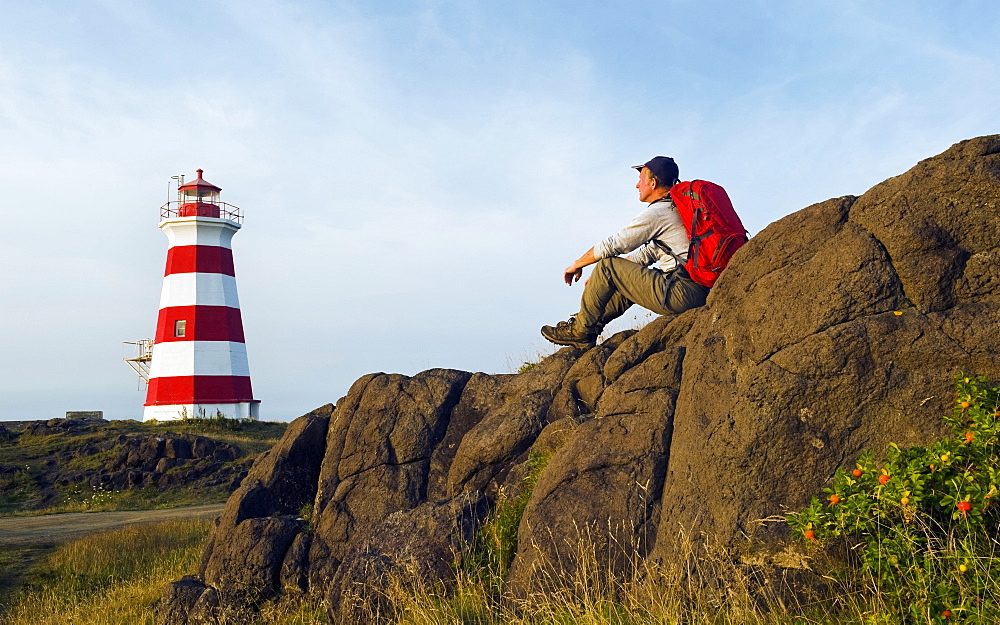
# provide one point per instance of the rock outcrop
(93, 457)
(838, 328)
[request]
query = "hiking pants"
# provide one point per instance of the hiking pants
(616, 283)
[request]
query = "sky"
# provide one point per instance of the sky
(415, 175)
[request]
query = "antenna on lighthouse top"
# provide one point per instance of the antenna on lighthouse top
(180, 183)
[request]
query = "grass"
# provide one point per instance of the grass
(84, 498)
(910, 539)
(634, 319)
(717, 590)
(20, 491)
(117, 577)
(34, 489)
(108, 578)
(495, 543)
(529, 357)
(589, 596)
(921, 521)
(292, 610)
(14, 564)
(253, 437)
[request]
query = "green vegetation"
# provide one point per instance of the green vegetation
(93, 461)
(14, 563)
(588, 596)
(46, 473)
(86, 498)
(253, 437)
(919, 528)
(526, 366)
(107, 578)
(529, 357)
(495, 543)
(117, 578)
(20, 491)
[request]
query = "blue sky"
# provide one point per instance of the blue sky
(416, 175)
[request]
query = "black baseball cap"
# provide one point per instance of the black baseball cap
(663, 167)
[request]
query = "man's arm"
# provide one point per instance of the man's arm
(575, 271)
(643, 255)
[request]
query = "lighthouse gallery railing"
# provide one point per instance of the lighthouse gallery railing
(218, 210)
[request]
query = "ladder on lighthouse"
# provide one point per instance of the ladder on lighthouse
(140, 362)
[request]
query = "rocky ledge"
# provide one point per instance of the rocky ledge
(838, 328)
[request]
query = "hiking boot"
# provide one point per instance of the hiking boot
(563, 334)
(568, 322)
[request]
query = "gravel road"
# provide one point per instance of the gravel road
(57, 528)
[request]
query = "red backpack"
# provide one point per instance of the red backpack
(714, 228)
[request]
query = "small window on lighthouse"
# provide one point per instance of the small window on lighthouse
(180, 327)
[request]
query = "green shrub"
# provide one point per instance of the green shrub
(526, 366)
(217, 423)
(495, 543)
(921, 525)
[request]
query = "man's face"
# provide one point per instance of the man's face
(645, 185)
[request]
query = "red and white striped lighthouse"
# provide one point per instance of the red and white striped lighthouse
(199, 363)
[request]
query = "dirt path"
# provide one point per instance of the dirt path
(57, 528)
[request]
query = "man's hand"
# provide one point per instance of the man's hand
(572, 274)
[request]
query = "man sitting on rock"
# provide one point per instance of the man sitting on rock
(656, 234)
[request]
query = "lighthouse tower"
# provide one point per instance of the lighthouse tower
(199, 359)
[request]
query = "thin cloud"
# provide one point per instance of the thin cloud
(415, 176)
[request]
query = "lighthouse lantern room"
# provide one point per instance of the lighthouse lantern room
(199, 364)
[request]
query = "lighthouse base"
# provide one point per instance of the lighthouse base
(175, 412)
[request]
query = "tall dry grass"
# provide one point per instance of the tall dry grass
(116, 578)
(583, 586)
(714, 587)
(108, 578)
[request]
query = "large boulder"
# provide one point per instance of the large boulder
(509, 425)
(596, 505)
(242, 562)
(838, 328)
(382, 437)
(408, 549)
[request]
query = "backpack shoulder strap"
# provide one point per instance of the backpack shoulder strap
(678, 261)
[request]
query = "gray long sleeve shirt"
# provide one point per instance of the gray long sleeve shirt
(657, 222)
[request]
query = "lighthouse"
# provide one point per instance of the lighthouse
(198, 366)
